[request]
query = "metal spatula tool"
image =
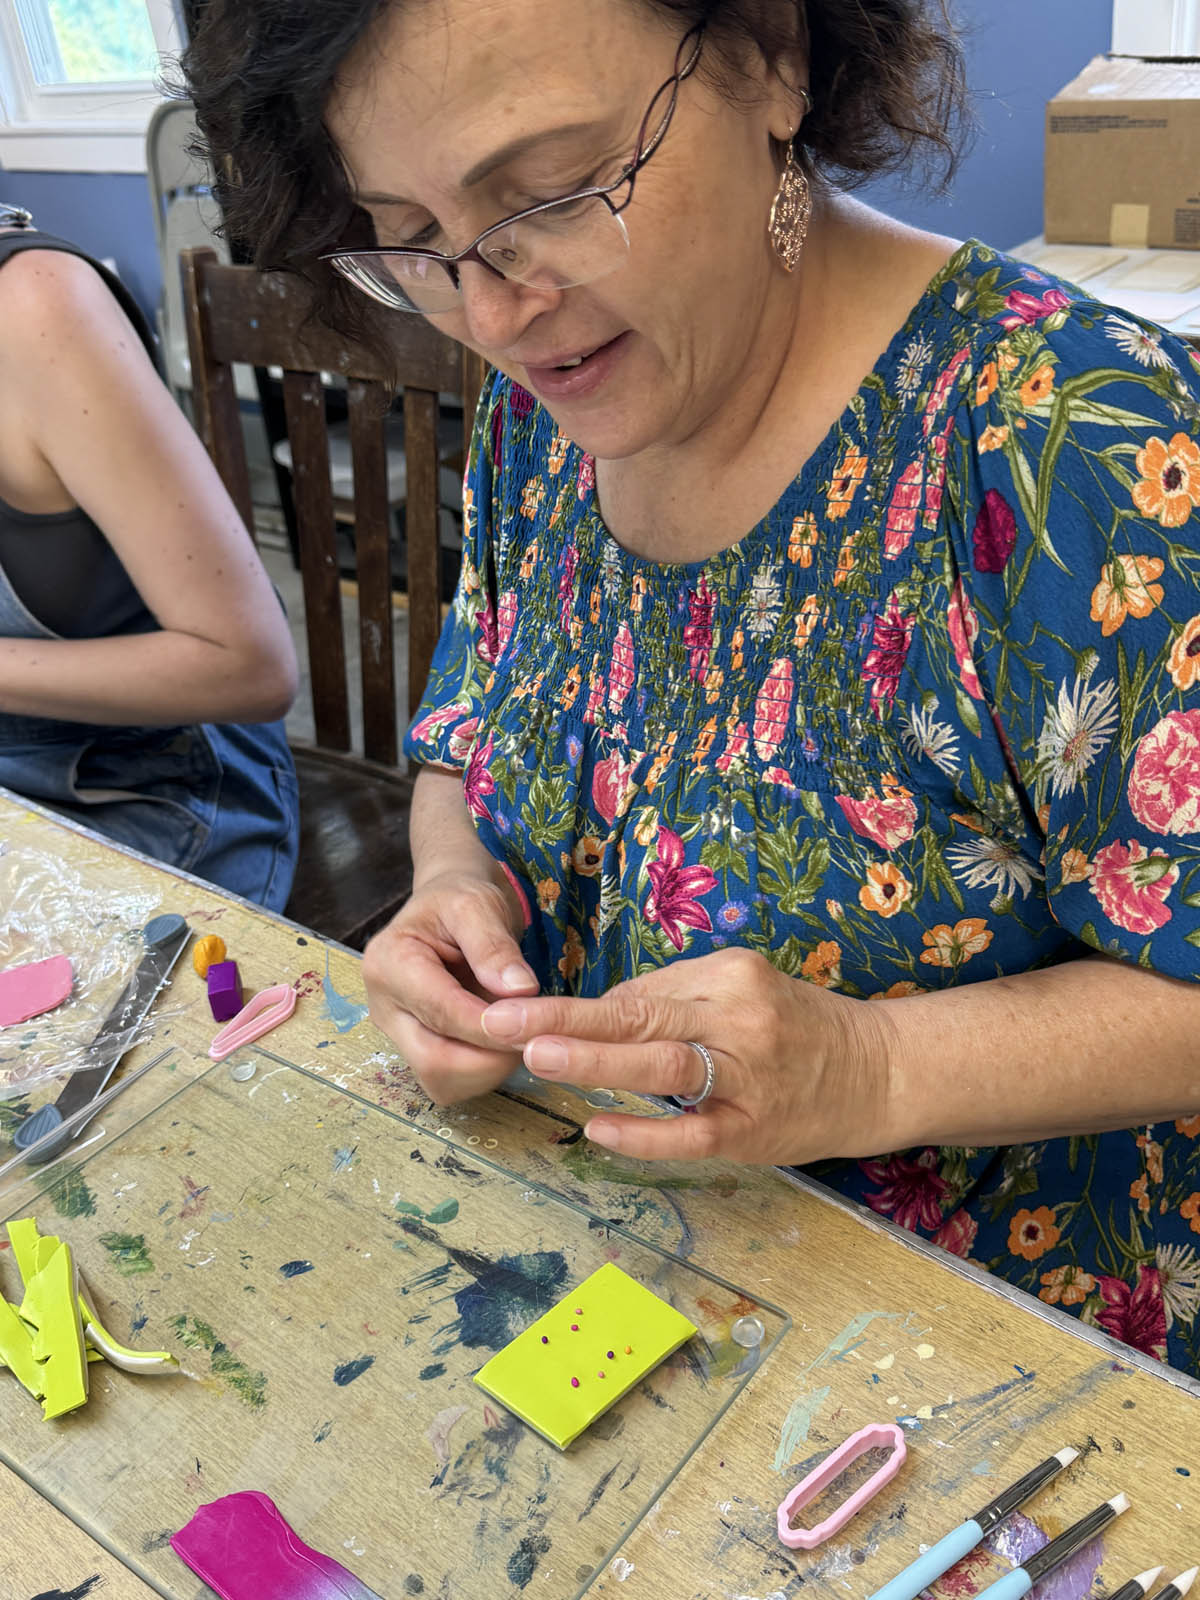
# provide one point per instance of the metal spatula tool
(163, 940)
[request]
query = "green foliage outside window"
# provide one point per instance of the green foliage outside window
(103, 41)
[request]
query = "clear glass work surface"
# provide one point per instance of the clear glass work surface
(331, 1277)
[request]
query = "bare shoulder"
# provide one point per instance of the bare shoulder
(53, 295)
(884, 266)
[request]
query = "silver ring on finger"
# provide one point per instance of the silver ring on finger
(689, 1102)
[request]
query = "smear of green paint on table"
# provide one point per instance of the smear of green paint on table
(71, 1196)
(12, 1115)
(407, 1208)
(249, 1386)
(129, 1253)
(445, 1212)
(587, 1163)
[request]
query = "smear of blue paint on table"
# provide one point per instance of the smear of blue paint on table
(293, 1269)
(343, 1012)
(349, 1370)
(796, 1425)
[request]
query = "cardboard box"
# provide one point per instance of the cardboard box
(1123, 155)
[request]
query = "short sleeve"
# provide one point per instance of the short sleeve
(1078, 530)
(443, 730)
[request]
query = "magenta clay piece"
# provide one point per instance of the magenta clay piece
(242, 1548)
(27, 991)
(224, 990)
(879, 1436)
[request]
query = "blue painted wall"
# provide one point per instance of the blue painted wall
(1019, 53)
(106, 213)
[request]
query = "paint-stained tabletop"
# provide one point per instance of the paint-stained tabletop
(332, 1258)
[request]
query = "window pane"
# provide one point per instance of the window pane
(88, 41)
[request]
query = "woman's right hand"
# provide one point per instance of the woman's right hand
(434, 970)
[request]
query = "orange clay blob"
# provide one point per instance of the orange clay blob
(207, 951)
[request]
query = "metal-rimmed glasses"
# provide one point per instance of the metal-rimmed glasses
(558, 244)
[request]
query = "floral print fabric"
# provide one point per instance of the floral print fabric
(935, 719)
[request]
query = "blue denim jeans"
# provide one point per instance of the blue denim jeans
(216, 800)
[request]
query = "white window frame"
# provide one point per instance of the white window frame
(76, 127)
(1156, 28)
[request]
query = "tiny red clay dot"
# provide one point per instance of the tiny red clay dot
(574, 1383)
(574, 1327)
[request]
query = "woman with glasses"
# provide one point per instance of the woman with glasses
(815, 738)
(145, 662)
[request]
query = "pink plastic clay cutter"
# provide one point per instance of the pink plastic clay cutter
(258, 1016)
(879, 1435)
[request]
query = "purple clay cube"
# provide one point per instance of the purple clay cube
(224, 990)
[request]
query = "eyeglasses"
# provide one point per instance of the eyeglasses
(556, 245)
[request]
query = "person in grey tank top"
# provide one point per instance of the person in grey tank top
(145, 661)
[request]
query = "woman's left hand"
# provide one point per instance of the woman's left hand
(801, 1074)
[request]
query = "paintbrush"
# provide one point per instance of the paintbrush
(925, 1569)
(1138, 1587)
(1178, 1587)
(1013, 1585)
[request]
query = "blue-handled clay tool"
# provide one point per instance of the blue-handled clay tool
(1013, 1585)
(163, 940)
(960, 1541)
(62, 1134)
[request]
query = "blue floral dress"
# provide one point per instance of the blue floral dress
(935, 719)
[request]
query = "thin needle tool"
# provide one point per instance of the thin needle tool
(926, 1569)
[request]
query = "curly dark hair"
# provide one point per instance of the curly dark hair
(886, 76)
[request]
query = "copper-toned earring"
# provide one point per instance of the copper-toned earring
(791, 210)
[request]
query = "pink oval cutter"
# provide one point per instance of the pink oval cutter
(878, 1436)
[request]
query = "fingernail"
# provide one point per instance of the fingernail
(516, 977)
(601, 1132)
(504, 1020)
(546, 1056)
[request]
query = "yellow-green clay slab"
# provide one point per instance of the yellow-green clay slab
(608, 1334)
(16, 1350)
(32, 1251)
(52, 1304)
(25, 1239)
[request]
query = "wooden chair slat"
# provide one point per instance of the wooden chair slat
(355, 867)
(268, 322)
(424, 617)
(304, 403)
(218, 420)
(372, 548)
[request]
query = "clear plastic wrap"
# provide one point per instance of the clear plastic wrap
(48, 908)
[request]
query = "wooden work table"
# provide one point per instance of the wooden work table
(985, 1381)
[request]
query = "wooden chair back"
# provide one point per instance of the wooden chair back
(237, 314)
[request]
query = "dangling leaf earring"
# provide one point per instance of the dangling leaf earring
(791, 208)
